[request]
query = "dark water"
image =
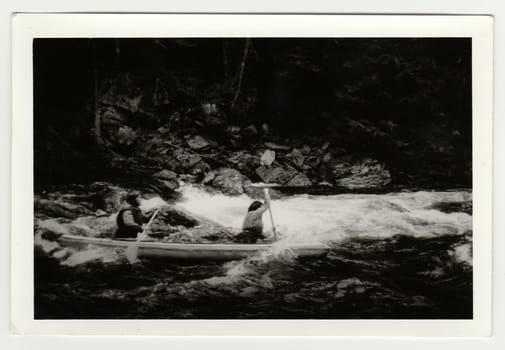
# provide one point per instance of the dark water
(396, 278)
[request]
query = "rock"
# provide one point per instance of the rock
(165, 181)
(60, 208)
(296, 156)
(306, 149)
(327, 157)
(229, 181)
(198, 143)
(111, 116)
(313, 161)
(300, 180)
(200, 168)
(366, 173)
(187, 159)
(209, 108)
(170, 217)
(126, 136)
(282, 175)
(267, 158)
(233, 130)
(165, 175)
(211, 175)
(106, 196)
(244, 161)
(163, 129)
(170, 162)
(277, 147)
(265, 128)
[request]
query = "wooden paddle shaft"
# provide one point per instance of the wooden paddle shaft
(267, 196)
(151, 220)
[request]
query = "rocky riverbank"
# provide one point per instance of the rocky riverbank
(371, 115)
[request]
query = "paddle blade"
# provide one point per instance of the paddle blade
(132, 253)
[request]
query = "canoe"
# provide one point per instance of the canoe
(197, 251)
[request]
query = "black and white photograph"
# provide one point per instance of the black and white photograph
(252, 178)
(251, 175)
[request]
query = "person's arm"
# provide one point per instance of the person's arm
(258, 212)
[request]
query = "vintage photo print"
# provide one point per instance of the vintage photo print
(252, 173)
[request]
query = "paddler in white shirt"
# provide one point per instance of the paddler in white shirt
(252, 228)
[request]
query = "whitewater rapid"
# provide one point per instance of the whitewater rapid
(298, 219)
(306, 218)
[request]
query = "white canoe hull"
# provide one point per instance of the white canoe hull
(195, 251)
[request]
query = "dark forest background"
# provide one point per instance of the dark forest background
(399, 110)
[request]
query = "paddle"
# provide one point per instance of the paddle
(267, 197)
(132, 251)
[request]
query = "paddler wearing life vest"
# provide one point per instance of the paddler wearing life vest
(252, 228)
(130, 219)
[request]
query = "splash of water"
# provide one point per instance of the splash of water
(306, 218)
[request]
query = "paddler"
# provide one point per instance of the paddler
(252, 228)
(130, 219)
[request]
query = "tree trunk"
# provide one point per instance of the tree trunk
(241, 74)
(98, 121)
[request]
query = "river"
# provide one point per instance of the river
(405, 255)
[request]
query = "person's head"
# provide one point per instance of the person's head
(254, 205)
(133, 198)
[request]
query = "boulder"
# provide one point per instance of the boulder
(299, 180)
(198, 143)
(209, 108)
(60, 208)
(366, 173)
(170, 219)
(170, 162)
(277, 147)
(165, 180)
(229, 181)
(164, 129)
(306, 149)
(296, 156)
(282, 175)
(186, 159)
(313, 161)
(244, 161)
(200, 168)
(126, 135)
(267, 158)
(111, 116)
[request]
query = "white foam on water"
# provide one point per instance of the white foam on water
(462, 254)
(306, 218)
(45, 245)
(93, 253)
(147, 205)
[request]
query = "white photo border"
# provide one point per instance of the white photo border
(26, 27)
